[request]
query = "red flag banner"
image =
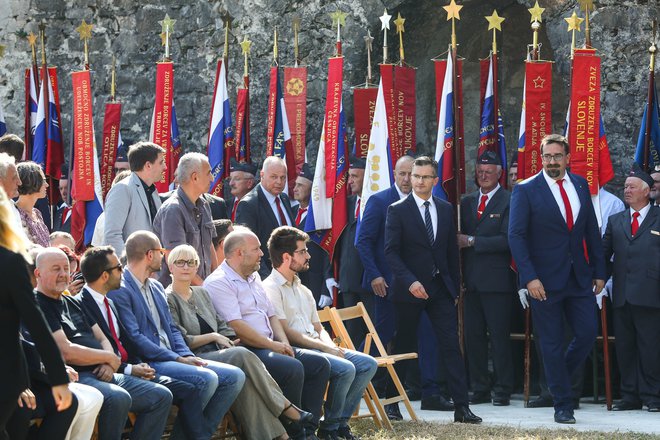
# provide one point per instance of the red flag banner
(295, 102)
(162, 121)
(440, 67)
(110, 141)
(538, 112)
(364, 106)
(584, 121)
(332, 121)
(272, 112)
(242, 133)
(82, 185)
(406, 114)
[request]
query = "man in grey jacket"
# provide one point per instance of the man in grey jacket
(131, 204)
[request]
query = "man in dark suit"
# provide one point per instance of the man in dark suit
(555, 242)
(351, 270)
(319, 274)
(101, 310)
(62, 220)
(422, 252)
(242, 178)
(489, 282)
(266, 207)
(633, 237)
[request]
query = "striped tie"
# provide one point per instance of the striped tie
(427, 221)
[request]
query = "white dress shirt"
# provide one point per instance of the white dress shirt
(271, 201)
(490, 194)
(571, 192)
(642, 214)
(422, 210)
(401, 194)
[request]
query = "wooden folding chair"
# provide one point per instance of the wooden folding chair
(384, 359)
(326, 316)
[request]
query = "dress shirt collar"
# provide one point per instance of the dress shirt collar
(270, 197)
(401, 194)
(280, 280)
(552, 181)
(490, 194)
(148, 189)
(98, 297)
(420, 201)
(642, 213)
(139, 283)
(235, 276)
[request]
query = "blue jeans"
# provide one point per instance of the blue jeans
(348, 379)
(150, 401)
(219, 384)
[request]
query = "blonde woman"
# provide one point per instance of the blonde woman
(261, 408)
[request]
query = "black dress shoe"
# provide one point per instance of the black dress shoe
(654, 407)
(501, 401)
(323, 434)
(626, 405)
(413, 395)
(462, 414)
(576, 404)
(437, 403)
(540, 402)
(480, 397)
(296, 428)
(344, 433)
(393, 412)
(564, 416)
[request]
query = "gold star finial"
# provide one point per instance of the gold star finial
(32, 39)
(586, 5)
(338, 18)
(574, 22)
(85, 30)
(399, 23)
(385, 21)
(245, 46)
(368, 39)
(167, 24)
(494, 21)
(536, 12)
(453, 10)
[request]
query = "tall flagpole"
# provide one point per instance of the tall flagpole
(574, 23)
(295, 23)
(225, 51)
(495, 23)
(338, 20)
(400, 30)
(368, 40)
(587, 6)
(385, 26)
(650, 99)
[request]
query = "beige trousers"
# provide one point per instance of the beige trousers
(261, 401)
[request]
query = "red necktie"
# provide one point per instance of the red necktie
(635, 223)
(357, 208)
(65, 213)
(482, 206)
(233, 210)
(113, 332)
(283, 221)
(301, 211)
(567, 205)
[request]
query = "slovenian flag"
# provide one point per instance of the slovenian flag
(492, 131)
(654, 150)
(278, 139)
(444, 146)
(31, 110)
(40, 131)
(221, 134)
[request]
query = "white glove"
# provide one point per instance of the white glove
(605, 292)
(522, 294)
(325, 301)
(330, 283)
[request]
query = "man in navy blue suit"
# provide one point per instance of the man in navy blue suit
(555, 242)
(422, 251)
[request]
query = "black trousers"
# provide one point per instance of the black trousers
(637, 334)
(444, 321)
(489, 314)
(54, 425)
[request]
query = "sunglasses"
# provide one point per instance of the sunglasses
(117, 267)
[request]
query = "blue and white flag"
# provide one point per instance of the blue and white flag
(221, 134)
(444, 146)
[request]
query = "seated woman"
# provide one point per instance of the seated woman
(33, 187)
(261, 402)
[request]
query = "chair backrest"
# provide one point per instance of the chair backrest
(356, 312)
(324, 315)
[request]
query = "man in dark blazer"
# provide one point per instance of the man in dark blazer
(320, 270)
(101, 310)
(489, 282)
(351, 270)
(555, 242)
(62, 219)
(422, 252)
(633, 237)
(242, 178)
(266, 207)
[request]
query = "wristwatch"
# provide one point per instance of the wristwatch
(470, 240)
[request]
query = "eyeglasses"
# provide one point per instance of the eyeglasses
(423, 178)
(552, 157)
(189, 263)
(117, 267)
(301, 251)
(161, 250)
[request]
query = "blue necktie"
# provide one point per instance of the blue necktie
(428, 222)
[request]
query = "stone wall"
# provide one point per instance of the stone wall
(129, 30)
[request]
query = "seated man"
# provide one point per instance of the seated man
(350, 371)
(239, 297)
(102, 272)
(84, 346)
(143, 310)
